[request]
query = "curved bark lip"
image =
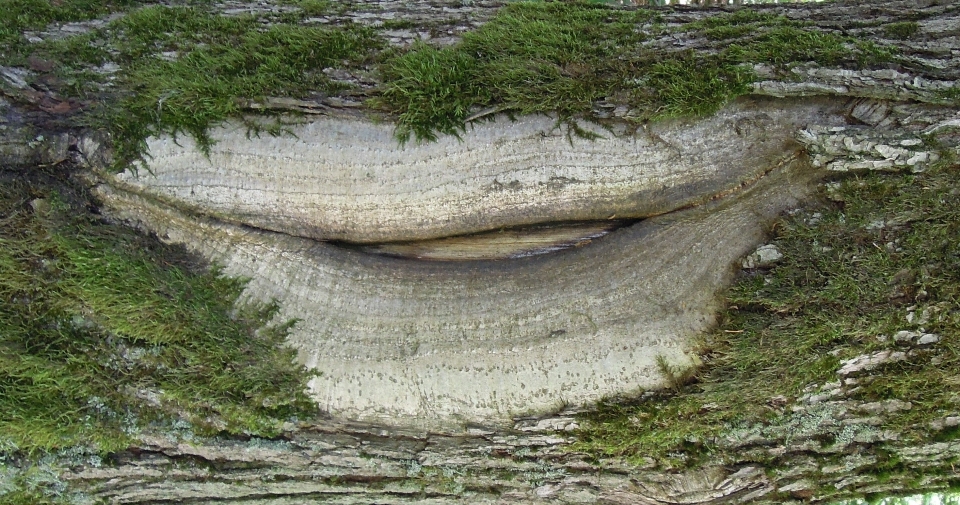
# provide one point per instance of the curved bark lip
(347, 180)
(537, 239)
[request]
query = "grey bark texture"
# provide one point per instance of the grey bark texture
(337, 462)
(446, 372)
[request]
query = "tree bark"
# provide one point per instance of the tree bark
(429, 420)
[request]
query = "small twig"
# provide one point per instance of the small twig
(484, 112)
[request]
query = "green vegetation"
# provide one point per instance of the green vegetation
(852, 272)
(311, 7)
(221, 64)
(104, 331)
(902, 30)
(737, 24)
(786, 45)
(782, 42)
(23, 15)
(951, 94)
(533, 57)
(564, 57)
(688, 86)
(36, 484)
(925, 499)
(184, 69)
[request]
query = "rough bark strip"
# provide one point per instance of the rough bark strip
(350, 463)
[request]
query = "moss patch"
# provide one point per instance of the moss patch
(185, 69)
(902, 30)
(565, 57)
(104, 331)
(532, 57)
(951, 95)
(210, 80)
(24, 15)
(948, 498)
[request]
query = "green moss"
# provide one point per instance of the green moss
(740, 17)
(564, 57)
(533, 57)
(434, 91)
(397, 24)
(689, 86)
(728, 32)
(185, 69)
(779, 41)
(736, 24)
(903, 30)
(948, 497)
(31, 497)
(788, 44)
(951, 94)
(947, 435)
(313, 7)
(22, 15)
(652, 428)
(207, 85)
(219, 65)
(104, 330)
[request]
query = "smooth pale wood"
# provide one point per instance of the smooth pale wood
(501, 244)
(435, 344)
(348, 179)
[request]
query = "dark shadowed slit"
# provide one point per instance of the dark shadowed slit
(505, 243)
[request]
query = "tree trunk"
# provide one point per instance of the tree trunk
(442, 379)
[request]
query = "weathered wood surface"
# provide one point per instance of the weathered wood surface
(689, 253)
(425, 343)
(336, 462)
(348, 179)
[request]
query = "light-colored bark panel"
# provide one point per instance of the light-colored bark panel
(434, 344)
(348, 179)
(501, 244)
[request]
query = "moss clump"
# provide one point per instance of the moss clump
(103, 330)
(844, 287)
(217, 65)
(533, 57)
(780, 41)
(902, 30)
(784, 45)
(687, 85)
(736, 24)
(565, 57)
(951, 94)
(23, 15)
(310, 8)
(185, 69)
(31, 497)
